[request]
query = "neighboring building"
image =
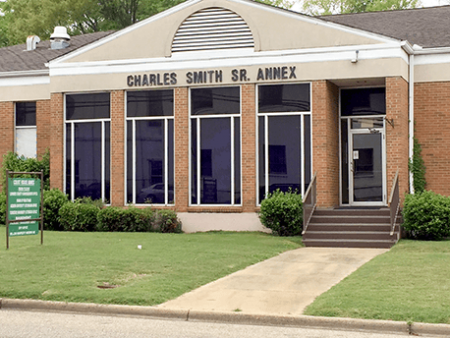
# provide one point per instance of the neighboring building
(208, 106)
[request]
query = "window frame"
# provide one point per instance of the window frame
(198, 119)
(165, 120)
(266, 116)
(31, 127)
(72, 154)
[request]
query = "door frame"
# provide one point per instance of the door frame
(362, 131)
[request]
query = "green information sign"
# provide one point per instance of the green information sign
(24, 202)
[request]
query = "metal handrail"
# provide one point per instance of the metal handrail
(394, 202)
(309, 202)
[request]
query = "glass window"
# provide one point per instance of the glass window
(284, 98)
(88, 153)
(366, 101)
(150, 147)
(215, 146)
(150, 103)
(284, 140)
(25, 133)
(88, 106)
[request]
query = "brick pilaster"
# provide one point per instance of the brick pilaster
(57, 141)
(43, 126)
(325, 131)
(6, 129)
(117, 147)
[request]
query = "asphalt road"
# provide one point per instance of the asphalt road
(25, 324)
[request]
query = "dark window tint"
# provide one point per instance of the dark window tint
(150, 161)
(284, 98)
(367, 101)
(129, 161)
(307, 149)
(87, 106)
(69, 160)
(261, 158)
(171, 173)
(150, 103)
(194, 175)
(215, 101)
(25, 114)
(237, 160)
(284, 153)
(88, 160)
(107, 161)
(215, 136)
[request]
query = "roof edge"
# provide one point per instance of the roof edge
(25, 73)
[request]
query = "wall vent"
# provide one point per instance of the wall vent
(210, 29)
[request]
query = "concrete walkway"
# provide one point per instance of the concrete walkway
(283, 285)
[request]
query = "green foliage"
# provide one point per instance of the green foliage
(417, 168)
(132, 219)
(328, 7)
(167, 221)
(426, 215)
(2, 208)
(287, 4)
(53, 201)
(13, 162)
(77, 216)
(283, 213)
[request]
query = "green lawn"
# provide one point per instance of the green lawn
(411, 283)
(70, 266)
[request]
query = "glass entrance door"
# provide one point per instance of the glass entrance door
(367, 167)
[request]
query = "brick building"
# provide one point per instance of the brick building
(208, 106)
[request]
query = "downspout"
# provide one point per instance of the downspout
(411, 119)
(410, 51)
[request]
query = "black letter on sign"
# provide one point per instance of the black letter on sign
(137, 80)
(243, 74)
(234, 75)
(130, 81)
(284, 73)
(292, 76)
(260, 75)
(145, 80)
(173, 78)
(188, 77)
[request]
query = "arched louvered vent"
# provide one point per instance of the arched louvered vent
(212, 28)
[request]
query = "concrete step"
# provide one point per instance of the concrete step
(352, 212)
(353, 235)
(350, 219)
(349, 227)
(333, 243)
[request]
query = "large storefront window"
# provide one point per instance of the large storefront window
(26, 143)
(88, 146)
(150, 147)
(284, 138)
(216, 146)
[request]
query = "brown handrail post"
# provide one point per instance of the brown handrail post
(309, 202)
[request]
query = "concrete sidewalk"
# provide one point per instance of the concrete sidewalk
(283, 285)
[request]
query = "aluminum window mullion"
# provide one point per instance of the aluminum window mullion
(72, 164)
(166, 162)
(198, 162)
(102, 142)
(266, 155)
(232, 160)
(302, 149)
(133, 165)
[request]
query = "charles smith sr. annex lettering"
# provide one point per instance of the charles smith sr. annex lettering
(211, 76)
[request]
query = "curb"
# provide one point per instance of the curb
(348, 324)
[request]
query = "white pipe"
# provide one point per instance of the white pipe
(411, 118)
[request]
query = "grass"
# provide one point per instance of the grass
(411, 282)
(70, 266)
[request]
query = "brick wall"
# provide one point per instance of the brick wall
(117, 147)
(43, 126)
(57, 141)
(397, 136)
(248, 141)
(432, 129)
(6, 129)
(325, 131)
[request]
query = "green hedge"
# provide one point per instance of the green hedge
(131, 219)
(77, 216)
(426, 215)
(167, 221)
(53, 201)
(282, 212)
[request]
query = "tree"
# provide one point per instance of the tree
(328, 7)
(39, 17)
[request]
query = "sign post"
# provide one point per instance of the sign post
(24, 205)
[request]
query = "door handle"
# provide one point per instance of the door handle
(352, 167)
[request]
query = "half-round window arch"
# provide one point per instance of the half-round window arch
(210, 29)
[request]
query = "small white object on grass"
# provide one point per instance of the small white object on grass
(139, 247)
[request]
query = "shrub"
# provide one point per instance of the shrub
(14, 162)
(131, 219)
(427, 215)
(53, 201)
(417, 168)
(77, 216)
(282, 212)
(167, 221)
(2, 208)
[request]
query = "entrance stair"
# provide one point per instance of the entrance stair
(351, 228)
